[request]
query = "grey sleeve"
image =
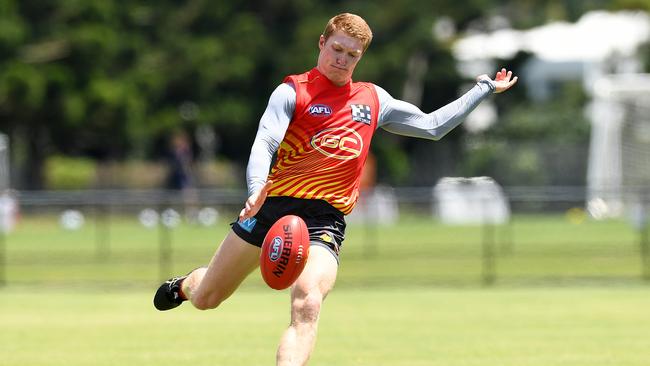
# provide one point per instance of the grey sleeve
(273, 126)
(403, 118)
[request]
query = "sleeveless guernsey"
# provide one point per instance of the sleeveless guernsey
(326, 144)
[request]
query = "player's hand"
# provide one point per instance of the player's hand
(502, 81)
(254, 202)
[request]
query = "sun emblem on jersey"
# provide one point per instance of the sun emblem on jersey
(341, 143)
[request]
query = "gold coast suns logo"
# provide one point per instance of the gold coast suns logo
(341, 143)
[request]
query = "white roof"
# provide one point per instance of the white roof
(595, 36)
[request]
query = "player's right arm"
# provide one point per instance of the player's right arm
(273, 125)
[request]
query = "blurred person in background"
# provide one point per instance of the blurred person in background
(180, 159)
(181, 173)
(320, 123)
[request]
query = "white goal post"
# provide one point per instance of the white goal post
(618, 174)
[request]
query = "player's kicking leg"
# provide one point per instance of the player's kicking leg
(307, 295)
(207, 287)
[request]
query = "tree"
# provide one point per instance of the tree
(110, 79)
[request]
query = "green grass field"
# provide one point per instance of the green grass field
(416, 251)
(393, 327)
(410, 294)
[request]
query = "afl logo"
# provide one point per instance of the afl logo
(341, 143)
(320, 110)
(276, 249)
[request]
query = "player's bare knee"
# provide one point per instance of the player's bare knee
(306, 309)
(205, 301)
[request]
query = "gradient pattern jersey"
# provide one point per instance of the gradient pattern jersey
(326, 144)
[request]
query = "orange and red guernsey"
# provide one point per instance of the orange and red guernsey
(326, 144)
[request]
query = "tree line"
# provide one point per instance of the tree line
(111, 79)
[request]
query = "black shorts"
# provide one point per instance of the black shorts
(325, 223)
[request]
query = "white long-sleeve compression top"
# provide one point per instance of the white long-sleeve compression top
(396, 116)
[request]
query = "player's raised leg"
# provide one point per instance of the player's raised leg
(232, 263)
(207, 287)
(307, 295)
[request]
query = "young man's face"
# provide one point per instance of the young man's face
(339, 56)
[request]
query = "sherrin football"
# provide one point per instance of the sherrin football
(284, 252)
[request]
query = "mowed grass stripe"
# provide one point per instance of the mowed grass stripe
(416, 250)
(376, 327)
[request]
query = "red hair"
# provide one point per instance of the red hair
(352, 25)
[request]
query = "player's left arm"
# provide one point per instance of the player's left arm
(403, 118)
(502, 81)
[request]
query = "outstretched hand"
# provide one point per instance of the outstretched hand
(254, 202)
(502, 81)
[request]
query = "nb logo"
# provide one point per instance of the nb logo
(248, 224)
(341, 143)
(320, 110)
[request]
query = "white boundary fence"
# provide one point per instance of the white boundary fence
(384, 206)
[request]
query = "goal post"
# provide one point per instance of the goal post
(5, 204)
(618, 173)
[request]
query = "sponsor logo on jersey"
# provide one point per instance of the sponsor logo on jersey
(320, 110)
(248, 224)
(341, 143)
(276, 249)
(361, 113)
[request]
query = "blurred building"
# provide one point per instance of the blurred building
(599, 43)
(602, 52)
